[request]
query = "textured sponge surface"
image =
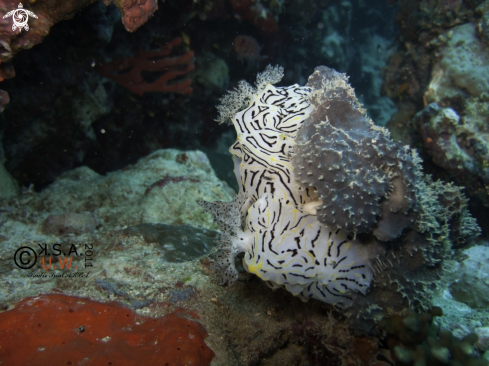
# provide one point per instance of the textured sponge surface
(350, 161)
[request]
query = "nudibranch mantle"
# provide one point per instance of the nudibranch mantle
(266, 132)
(291, 249)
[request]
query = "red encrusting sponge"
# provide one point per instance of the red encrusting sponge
(65, 330)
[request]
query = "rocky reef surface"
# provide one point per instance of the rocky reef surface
(123, 231)
(129, 231)
(438, 79)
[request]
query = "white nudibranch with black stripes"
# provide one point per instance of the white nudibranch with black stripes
(291, 249)
(272, 219)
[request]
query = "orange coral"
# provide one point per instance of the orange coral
(64, 330)
(128, 71)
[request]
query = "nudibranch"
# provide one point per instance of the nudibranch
(272, 219)
(290, 248)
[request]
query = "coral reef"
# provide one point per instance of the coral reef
(41, 121)
(437, 219)
(465, 284)
(65, 123)
(370, 183)
(409, 270)
(132, 73)
(461, 69)
(154, 269)
(60, 329)
(72, 106)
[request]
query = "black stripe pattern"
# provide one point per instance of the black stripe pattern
(291, 249)
(266, 133)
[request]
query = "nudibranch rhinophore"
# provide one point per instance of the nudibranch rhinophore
(272, 219)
